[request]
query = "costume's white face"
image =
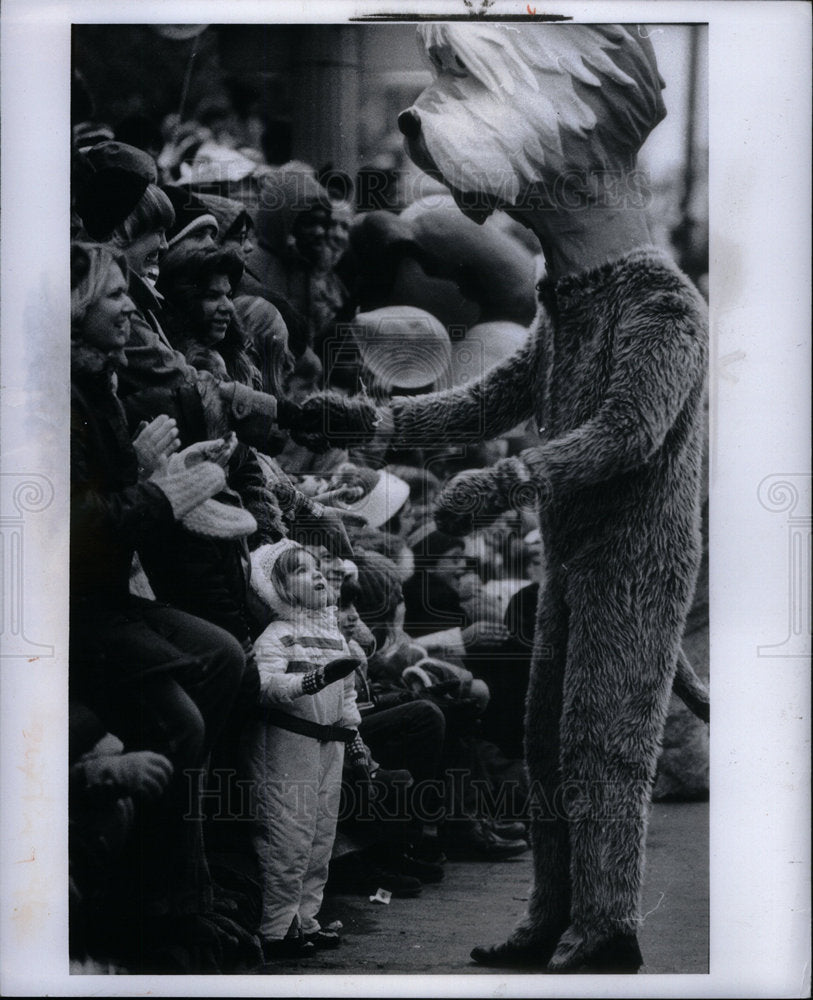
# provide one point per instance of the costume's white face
(511, 106)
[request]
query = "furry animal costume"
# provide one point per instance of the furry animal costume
(614, 375)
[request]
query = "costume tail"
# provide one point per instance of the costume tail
(690, 689)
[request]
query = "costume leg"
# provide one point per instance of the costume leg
(550, 896)
(622, 650)
(329, 793)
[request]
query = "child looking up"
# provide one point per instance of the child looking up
(308, 715)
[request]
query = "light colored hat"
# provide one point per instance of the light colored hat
(383, 501)
(403, 347)
(215, 164)
(263, 560)
(484, 347)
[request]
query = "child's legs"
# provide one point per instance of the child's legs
(287, 793)
(313, 884)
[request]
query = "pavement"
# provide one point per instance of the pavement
(479, 903)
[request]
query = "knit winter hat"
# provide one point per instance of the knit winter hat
(379, 585)
(427, 542)
(263, 560)
(190, 214)
(106, 198)
(228, 212)
(113, 155)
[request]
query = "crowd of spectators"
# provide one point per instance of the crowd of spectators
(255, 612)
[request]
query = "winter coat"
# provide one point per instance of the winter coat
(111, 511)
(277, 265)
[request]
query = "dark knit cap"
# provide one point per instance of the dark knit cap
(106, 198)
(190, 213)
(114, 176)
(114, 155)
(379, 588)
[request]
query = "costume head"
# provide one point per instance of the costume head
(515, 105)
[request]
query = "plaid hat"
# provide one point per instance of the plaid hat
(190, 214)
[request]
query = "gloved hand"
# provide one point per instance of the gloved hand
(314, 680)
(218, 450)
(141, 772)
(154, 441)
(477, 496)
(253, 414)
(189, 487)
(340, 668)
(289, 415)
(331, 419)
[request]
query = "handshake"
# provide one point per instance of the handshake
(329, 419)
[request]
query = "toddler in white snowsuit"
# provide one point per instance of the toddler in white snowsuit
(296, 750)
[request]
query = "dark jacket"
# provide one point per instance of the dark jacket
(111, 512)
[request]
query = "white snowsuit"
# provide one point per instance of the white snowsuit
(298, 778)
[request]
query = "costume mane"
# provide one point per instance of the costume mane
(512, 104)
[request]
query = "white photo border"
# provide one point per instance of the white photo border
(760, 383)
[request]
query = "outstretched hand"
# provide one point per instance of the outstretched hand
(340, 668)
(330, 419)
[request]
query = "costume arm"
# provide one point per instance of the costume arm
(491, 406)
(660, 359)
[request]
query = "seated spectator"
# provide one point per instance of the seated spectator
(105, 787)
(161, 680)
(199, 315)
(403, 732)
(400, 670)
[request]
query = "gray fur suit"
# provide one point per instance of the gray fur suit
(614, 375)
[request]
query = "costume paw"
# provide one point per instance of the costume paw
(581, 952)
(511, 955)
